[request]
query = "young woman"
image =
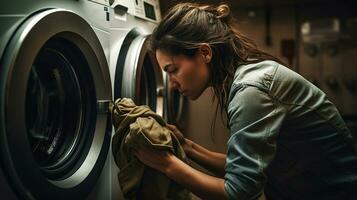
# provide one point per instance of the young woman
(287, 139)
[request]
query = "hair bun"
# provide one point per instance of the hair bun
(223, 12)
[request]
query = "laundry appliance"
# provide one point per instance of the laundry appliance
(54, 98)
(134, 70)
(131, 21)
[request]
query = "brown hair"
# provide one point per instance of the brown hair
(188, 25)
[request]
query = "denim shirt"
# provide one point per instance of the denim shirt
(287, 139)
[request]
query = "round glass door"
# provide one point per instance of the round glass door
(55, 134)
(138, 75)
(60, 106)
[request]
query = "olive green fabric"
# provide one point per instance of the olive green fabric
(139, 126)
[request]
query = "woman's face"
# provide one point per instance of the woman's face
(189, 76)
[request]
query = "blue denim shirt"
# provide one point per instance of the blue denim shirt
(286, 138)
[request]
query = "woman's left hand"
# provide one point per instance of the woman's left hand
(157, 159)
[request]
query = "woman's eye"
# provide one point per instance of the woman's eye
(173, 71)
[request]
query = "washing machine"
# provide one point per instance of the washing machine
(54, 97)
(134, 71)
(131, 24)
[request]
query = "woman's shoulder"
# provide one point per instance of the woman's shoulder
(276, 80)
(257, 74)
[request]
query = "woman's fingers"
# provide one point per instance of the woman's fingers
(155, 158)
(185, 143)
(175, 130)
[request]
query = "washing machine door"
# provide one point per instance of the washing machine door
(54, 96)
(138, 75)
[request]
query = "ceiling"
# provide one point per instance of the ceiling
(303, 7)
(241, 4)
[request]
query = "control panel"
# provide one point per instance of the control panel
(144, 9)
(147, 9)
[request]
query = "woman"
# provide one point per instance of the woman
(287, 139)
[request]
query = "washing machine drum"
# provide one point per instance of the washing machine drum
(138, 75)
(55, 91)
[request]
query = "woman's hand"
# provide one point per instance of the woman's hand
(156, 159)
(186, 144)
(162, 160)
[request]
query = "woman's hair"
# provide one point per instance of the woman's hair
(186, 26)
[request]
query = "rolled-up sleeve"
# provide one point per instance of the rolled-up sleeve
(255, 120)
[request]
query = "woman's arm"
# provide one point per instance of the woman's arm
(200, 184)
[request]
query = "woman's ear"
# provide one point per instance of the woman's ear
(206, 52)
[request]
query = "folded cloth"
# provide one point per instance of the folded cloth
(140, 126)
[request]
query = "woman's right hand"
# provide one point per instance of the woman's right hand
(186, 144)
